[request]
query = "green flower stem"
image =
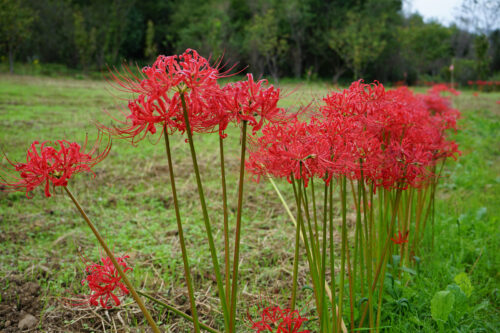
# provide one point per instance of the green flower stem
(119, 269)
(289, 212)
(368, 218)
(406, 228)
(358, 242)
(336, 314)
(185, 261)
(324, 305)
(315, 217)
(297, 190)
(226, 220)
(314, 241)
(177, 312)
(343, 196)
(330, 291)
(206, 219)
(351, 285)
(296, 258)
(380, 271)
(385, 257)
(236, 258)
(421, 193)
(324, 239)
(312, 238)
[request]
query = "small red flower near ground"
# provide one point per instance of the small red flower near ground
(400, 239)
(277, 320)
(103, 280)
(51, 164)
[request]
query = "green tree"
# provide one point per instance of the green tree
(298, 17)
(481, 46)
(495, 50)
(151, 50)
(200, 25)
(85, 42)
(15, 26)
(360, 40)
(425, 46)
(265, 41)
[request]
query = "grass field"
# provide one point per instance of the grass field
(43, 240)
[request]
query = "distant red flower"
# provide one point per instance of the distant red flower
(400, 239)
(441, 87)
(51, 165)
(277, 320)
(104, 282)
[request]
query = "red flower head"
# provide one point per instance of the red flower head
(103, 280)
(295, 149)
(400, 239)
(51, 165)
(255, 102)
(276, 320)
(160, 88)
(392, 138)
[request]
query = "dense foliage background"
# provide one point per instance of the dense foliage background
(331, 40)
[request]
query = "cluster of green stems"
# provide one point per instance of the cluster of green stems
(362, 265)
(351, 274)
(228, 288)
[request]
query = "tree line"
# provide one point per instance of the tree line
(329, 39)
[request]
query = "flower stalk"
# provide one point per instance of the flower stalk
(206, 219)
(118, 267)
(236, 259)
(185, 261)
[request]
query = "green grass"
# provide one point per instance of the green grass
(42, 239)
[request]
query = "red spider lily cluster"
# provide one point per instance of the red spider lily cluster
(432, 84)
(104, 282)
(391, 138)
(485, 85)
(277, 320)
(190, 79)
(52, 164)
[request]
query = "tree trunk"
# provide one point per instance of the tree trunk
(297, 61)
(11, 59)
(338, 74)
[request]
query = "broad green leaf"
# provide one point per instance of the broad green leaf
(464, 283)
(409, 270)
(441, 305)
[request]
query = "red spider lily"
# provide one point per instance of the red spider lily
(160, 88)
(277, 320)
(255, 102)
(103, 280)
(400, 239)
(296, 148)
(439, 88)
(52, 165)
(391, 137)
